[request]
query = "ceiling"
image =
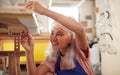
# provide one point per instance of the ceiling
(65, 2)
(47, 2)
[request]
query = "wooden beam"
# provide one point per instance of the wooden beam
(7, 53)
(6, 15)
(5, 36)
(15, 13)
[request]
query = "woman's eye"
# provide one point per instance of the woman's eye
(59, 34)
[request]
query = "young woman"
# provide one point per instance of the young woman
(69, 52)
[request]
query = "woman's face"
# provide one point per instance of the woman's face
(59, 39)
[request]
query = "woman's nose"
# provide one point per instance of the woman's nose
(54, 38)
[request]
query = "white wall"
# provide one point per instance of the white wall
(111, 56)
(87, 9)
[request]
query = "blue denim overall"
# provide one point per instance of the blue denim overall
(78, 70)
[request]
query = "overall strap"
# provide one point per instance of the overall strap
(79, 67)
(57, 66)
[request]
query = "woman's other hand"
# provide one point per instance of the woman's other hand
(27, 41)
(35, 6)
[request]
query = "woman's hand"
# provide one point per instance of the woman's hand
(27, 41)
(35, 6)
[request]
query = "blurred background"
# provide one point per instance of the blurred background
(100, 19)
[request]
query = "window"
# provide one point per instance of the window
(68, 11)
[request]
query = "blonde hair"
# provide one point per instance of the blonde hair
(69, 56)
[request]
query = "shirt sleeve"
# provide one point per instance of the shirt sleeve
(86, 52)
(49, 64)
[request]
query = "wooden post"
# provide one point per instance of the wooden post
(17, 57)
(11, 64)
(14, 59)
(0, 45)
